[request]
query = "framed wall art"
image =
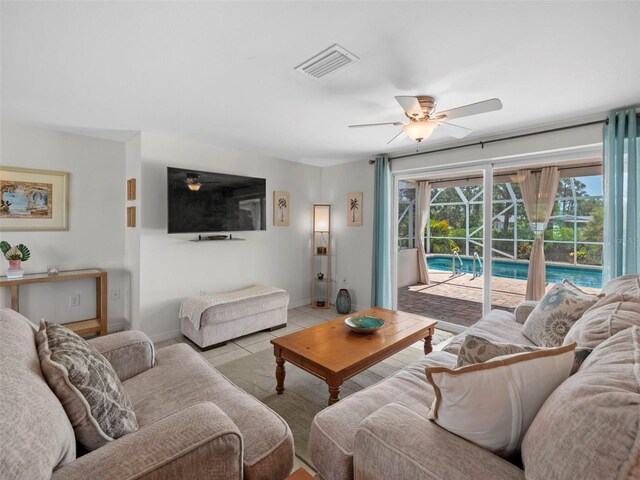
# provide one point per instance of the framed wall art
(36, 200)
(281, 209)
(131, 189)
(354, 209)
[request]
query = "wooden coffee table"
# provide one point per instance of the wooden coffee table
(334, 353)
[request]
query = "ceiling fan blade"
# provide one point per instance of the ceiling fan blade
(410, 105)
(451, 130)
(399, 133)
(471, 109)
(376, 124)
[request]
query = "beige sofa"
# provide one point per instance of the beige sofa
(588, 428)
(194, 423)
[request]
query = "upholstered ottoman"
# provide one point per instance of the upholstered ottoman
(211, 320)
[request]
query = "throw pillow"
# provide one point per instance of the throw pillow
(612, 314)
(492, 404)
(97, 405)
(629, 284)
(555, 314)
(475, 349)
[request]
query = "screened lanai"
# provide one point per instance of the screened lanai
(453, 242)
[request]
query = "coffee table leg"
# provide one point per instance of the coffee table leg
(280, 374)
(427, 344)
(334, 391)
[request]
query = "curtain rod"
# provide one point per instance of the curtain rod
(508, 173)
(511, 137)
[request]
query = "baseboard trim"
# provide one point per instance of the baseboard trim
(299, 303)
(117, 325)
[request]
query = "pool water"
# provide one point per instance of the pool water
(581, 276)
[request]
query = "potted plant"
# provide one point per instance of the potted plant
(16, 255)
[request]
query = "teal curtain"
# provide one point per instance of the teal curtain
(621, 198)
(381, 273)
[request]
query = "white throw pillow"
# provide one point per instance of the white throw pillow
(493, 403)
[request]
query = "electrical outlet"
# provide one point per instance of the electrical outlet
(74, 300)
(115, 294)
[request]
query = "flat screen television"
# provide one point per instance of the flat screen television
(201, 202)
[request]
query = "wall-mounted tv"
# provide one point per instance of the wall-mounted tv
(201, 202)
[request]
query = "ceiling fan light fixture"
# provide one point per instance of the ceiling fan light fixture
(193, 182)
(419, 130)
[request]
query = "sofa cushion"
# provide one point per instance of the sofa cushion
(553, 317)
(331, 440)
(493, 403)
(610, 315)
(629, 284)
(497, 326)
(590, 426)
(182, 378)
(87, 386)
(36, 436)
(479, 350)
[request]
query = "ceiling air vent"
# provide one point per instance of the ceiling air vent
(328, 61)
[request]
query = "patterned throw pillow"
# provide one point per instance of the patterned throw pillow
(476, 349)
(84, 381)
(555, 314)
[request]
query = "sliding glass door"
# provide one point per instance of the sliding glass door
(452, 248)
(465, 280)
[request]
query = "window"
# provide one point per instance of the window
(574, 234)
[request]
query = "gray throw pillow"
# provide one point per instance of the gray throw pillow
(87, 386)
(555, 314)
(476, 349)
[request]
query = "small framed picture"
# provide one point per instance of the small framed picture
(131, 189)
(33, 200)
(354, 209)
(281, 209)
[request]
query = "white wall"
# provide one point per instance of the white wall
(408, 267)
(96, 221)
(352, 246)
(172, 267)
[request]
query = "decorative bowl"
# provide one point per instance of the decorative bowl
(363, 324)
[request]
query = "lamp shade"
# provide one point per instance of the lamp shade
(321, 215)
(419, 130)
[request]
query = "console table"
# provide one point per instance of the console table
(97, 325)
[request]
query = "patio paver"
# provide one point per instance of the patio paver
(459, 299)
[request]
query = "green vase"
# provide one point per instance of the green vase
(343, 301)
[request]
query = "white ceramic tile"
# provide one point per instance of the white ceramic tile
(253, 338)
(290, 328)
(258, 346)
(307, 320)
(328, 314)
(229, 347)
(227, 357)
(294, 312)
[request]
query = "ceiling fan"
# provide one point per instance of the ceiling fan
(423, 121)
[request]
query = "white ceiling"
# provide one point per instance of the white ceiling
(223, 72)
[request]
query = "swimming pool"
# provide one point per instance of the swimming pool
(581, 276)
